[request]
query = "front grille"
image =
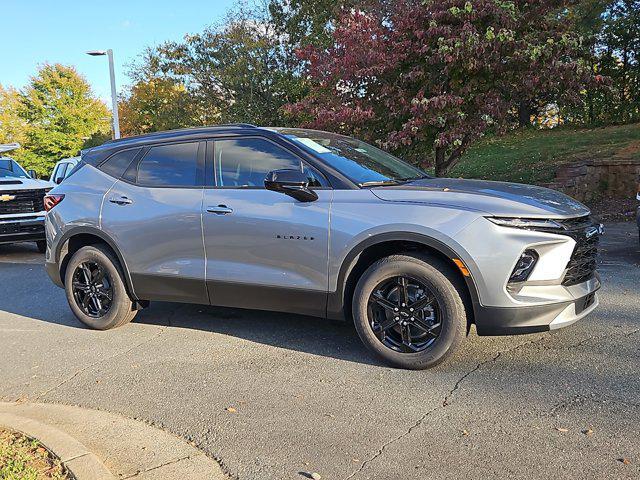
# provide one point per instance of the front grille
(25, 201)
(582, 265)
(17, 228)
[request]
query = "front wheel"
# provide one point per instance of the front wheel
(95, 289)
(408, 310)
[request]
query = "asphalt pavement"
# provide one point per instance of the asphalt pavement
(307, 397)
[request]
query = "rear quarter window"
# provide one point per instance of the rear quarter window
(118, 163)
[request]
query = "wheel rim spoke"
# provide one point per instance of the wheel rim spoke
(403, 285)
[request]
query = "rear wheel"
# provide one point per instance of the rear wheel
(95, 289)
(408, 311)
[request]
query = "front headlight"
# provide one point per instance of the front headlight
(526, 223)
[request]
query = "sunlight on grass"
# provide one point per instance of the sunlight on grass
(532, 156)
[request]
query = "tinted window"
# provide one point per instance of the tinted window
(118, 163)
(170, 165)
(246, 162)
(60, 174)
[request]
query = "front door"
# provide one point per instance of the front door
(264, 249)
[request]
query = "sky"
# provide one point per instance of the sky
(61, 31)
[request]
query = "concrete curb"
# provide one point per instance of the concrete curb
(98, 445)
(75, 457)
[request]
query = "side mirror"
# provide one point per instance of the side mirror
(58, 180)
(290, 182)
(33, 174)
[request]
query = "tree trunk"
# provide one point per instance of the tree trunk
(524, 114)
(440, 161)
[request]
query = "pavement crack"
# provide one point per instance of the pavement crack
(149, 339)
(139, 472)
(445, 402)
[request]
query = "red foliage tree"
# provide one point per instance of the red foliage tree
(432, 76)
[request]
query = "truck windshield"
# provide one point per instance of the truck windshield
(362, 163)
(9, 168)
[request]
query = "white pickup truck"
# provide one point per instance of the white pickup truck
(21, 202)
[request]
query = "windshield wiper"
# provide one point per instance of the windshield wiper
(380, 183)
(412, 179)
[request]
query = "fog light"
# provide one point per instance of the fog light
(524, 267)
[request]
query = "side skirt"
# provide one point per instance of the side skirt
(276, 299)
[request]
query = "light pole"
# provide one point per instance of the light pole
(114, 96)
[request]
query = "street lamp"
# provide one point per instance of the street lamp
(114, 97)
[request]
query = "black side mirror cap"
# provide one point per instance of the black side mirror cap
(33, 174)
(291, 182)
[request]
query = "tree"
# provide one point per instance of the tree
(433, 76)
(53, 117)
(158, 102)
(12, 126)
(235, 72)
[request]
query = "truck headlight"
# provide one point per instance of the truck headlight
(524, 267)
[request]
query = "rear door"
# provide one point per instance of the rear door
(154, 215)
(264, 249)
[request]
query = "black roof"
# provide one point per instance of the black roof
(180, 132)
(94, 154)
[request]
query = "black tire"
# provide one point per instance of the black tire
(120, 309)
(440, 281)
(42, 246)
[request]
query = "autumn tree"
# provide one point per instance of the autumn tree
(433, 76)
(54, 117)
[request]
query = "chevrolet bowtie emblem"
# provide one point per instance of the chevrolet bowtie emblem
(7, 198)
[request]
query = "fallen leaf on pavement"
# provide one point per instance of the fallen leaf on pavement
(560, 429)
(587, 431)
(465, 433)
(624, 461)
(231, 410)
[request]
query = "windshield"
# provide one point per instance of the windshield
(9, 168)
(359, 161)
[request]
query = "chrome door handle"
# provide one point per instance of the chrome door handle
(121, 200)
(220, 210)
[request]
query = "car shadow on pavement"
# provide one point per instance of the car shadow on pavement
(317, 336)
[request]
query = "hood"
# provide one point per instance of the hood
(493, 198)
(19, 183)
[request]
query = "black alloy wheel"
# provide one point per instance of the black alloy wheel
(404, 314)
(92, 289)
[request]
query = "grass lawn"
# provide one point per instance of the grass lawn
(531, 156)
(22, 458)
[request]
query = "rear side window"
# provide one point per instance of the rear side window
(117, 163)
(174, 165)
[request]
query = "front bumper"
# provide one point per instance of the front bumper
(538, 318)
(22, 229)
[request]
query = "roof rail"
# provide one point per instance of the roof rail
(164, 132)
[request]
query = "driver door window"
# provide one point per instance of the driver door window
(245, 163)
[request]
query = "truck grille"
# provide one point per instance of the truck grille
(25, 201)
(582, 265)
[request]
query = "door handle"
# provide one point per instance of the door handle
(121, 200)
(220, 210)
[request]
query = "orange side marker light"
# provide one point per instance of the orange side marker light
(462, 268)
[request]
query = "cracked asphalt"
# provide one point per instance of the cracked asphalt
(309, 398)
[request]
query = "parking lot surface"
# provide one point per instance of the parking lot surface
(307, 397)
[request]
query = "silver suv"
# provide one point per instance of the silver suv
(320, 224)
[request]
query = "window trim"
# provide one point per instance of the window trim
(212, 164)
(135, 164)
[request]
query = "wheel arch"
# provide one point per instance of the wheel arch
(78, 237)
(378, 246)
